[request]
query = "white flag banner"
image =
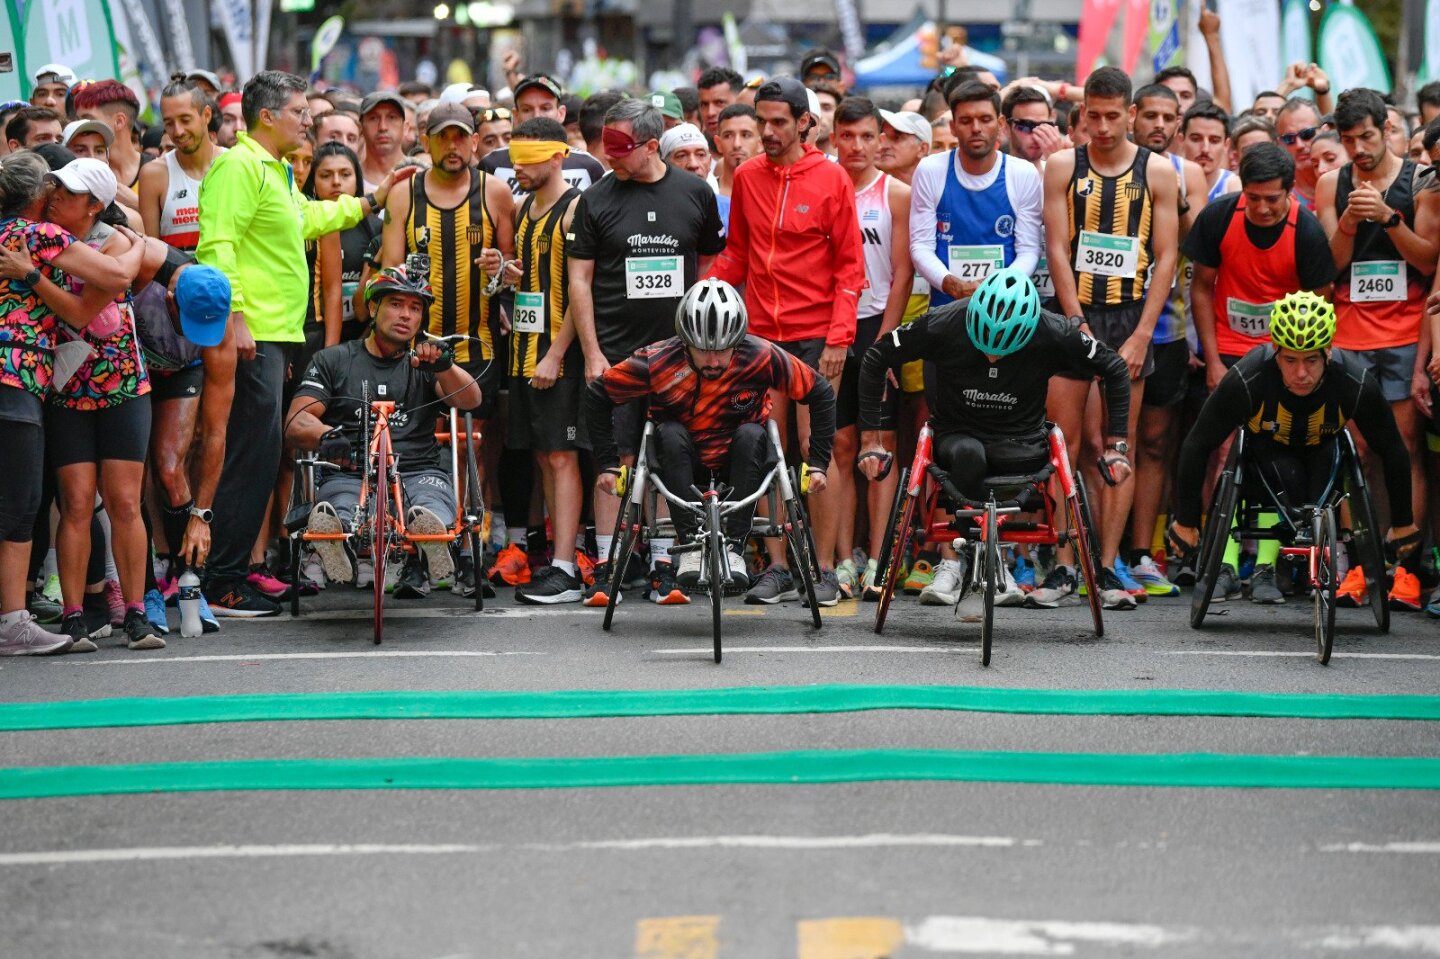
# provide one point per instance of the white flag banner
(1350, 53)
(143, 50)
(1248, 32)
(1430, 65)
(234, 18)
(263, 9)
(180, 35)
(1197, 55)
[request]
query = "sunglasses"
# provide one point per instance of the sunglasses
(491, 114)
(1028, 126)
(1307, 134)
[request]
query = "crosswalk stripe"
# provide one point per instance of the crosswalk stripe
(677, 937)
(854, 937)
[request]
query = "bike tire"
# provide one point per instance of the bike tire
(893, 547)
(802, 554)
(380, 547)
(718, 571)
(1212, 542)
(1323, 595)
(990, 569)
(474, 506)
(1365, 533)
(1089, 551)
(297, 550)
(626, 531)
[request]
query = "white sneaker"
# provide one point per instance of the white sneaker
(1007, 591)
(687, 568)
(437, 553)
(944, 590)
(364, 574)
(971, 609)
(27, 638)
(739, 573)
(312, 569)
(333, 554)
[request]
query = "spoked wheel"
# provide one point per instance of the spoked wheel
(1369, 551)
(894, 546)
(297, 550)
(1326, 575)
(990, 569)
(717, 567)
(380, 545)
(1213, 540)
(627, 530)
(801, 543)
(1088, 550)
(474, 506)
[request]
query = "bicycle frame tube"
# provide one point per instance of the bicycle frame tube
(1061, 456)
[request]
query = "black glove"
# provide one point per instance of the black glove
(334, 447)
(440, 364)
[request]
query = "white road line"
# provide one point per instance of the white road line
(1421, 848)
(690, 651)
(440, 612)
(874, 841)
(976, 934)
(1420, 939)
(158, 853)
(263, 657)
(1286, 653)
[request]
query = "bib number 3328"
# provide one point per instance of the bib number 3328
(654, 277)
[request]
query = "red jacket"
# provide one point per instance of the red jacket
(794, 242)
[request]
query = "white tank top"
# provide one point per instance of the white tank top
(872, 204)
(180, 214)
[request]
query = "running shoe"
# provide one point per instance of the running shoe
(944, 586)
(1147, 573)
(364, 573)
(848, 577)
(332, 555)
(311, 569)
(687, 568)
(586, 566)
(1127, 582)
(1024, 574)
(139, 634)
(52, 589)
(1007, 591)
(1113, 593)
(664, 590)
(1185, 575)
(1227, 585)
(97, 616)
(739, 572)
(155, 611)
(1263, 587)
(423, 522)
(26, 638)
(827, 590)
(1059, 583)
(412, 583)
(870, 582)
(511, 568)
(208, 623)
(550, 586)
(597, 594)
(78, 632)
(971, 609)
(775, 585)
(43, 608)
(237, 598)
(1432, 608)
(266, 584)
(922, 574)
(1352, 592)
(1405, 591)
(115, 602)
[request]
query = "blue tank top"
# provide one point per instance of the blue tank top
(1220, 188)
(1171, 325)
(974, 219)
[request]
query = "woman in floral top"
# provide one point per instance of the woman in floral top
(28, 330)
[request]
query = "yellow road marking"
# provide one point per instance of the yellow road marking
(677, 937)
(744, 611)
(855, 937)
(844, 608)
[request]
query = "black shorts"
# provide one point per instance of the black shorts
(547, 421)
(1168, 381)
(487, 375)
(969, 459)
(1113, 325)
(806, 351)
(183, 384)
(847, 400)
(92, 436)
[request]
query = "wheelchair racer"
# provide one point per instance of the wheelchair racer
(993, 356)
(709, 390)
(326, 416)
(1292, 399)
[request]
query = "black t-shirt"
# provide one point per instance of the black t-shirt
(579, 169)
(344, 375)
(1312, 249)
(635, 233)
(21, 406)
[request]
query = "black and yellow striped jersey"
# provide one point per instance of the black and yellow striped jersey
(540, 248)
(1118, 206)
(452, 239)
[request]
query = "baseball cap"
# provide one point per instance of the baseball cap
(684, 135)
(912, 123)
(203, 295)
(55, 73)
(668, 104)
(383, 96)
(813, 100)
(817, 58)
(542, 82)
(88, 175)
(790, 91)
(207, 76)
(77, 127)
(450, 115)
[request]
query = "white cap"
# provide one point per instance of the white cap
(814, 103)
(459, 92)
(680, 136)
(88, 175)
(911, 123)
(58, 71)
(76, 127)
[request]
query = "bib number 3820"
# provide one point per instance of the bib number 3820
(654, 277)
(1106, 255)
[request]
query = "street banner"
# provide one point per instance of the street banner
(234, 18)
(1350, 53)
(1097, 17)
(324, 41)
(851, 33)
(1295, 34)
(1137, 25)
(263, 11)
(136, 34)
(1165, 48)
(739, 61)
(77, 33)
(13, 82)
(1430, 63)
(180, 35)
(1249, 34)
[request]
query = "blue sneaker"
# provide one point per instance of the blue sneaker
(1247, 567)
(1147, 574)
(155, 612)
(208, 622)
(1024, 574)
(1127, 582)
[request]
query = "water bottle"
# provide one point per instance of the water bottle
(190, 625)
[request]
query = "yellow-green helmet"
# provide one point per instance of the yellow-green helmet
(1302, 322)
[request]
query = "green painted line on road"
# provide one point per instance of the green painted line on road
(774, 768)
(574, 704)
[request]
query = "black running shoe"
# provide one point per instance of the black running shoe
(237, 598)
(664, 590)
(413, 583)
(549, 586)
(78, 630)
(139, 633)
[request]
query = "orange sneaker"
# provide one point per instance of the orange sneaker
(512, 567)
(586, 565)
(1352, 593)
(1405, 591)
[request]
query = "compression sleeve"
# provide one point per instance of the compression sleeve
(1027, 196)
(1085, 354)
(901, 344)
(1377, 424)
(1226, 409)
(626, 380)
(925, 191)
(821, 400)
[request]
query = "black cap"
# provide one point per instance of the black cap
(542, 82)
(785, 90)
(819, 57)
(450, 115)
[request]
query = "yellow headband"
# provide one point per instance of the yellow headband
(526, 152)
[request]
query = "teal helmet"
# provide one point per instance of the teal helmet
(1003, 312)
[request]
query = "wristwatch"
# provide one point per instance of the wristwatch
(206, 516)
(1119, 446)
(374, 206)
(32, 278)
(1395, 220)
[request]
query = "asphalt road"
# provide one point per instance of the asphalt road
(849, 870)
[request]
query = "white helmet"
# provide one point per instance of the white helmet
(711, 316)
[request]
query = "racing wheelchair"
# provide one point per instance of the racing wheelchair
(641, 489)
(1310, 532)
(980, 527)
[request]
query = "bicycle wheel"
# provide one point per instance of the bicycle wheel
(627, 529)
(1213, 540)
(474, 506)
(717, 567)
(380, 545)
(297, 543)
(801, 543)
(1365, 533)
(893, 547)
(1088, 550)
(990, 569)
(1323, 595)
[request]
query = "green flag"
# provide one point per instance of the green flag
(1349, 51)
(77, 33)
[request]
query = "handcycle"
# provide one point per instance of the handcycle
(641, 489)
(1309, 532)
(996, 522)
(377, 527)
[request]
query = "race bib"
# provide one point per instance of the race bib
(971, 264)
(919, 286)
(1377, 281)
(529, 313)
(1041, 278)
(1248, 319)
(654, 277)
(1106, 255)
(347, 300)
